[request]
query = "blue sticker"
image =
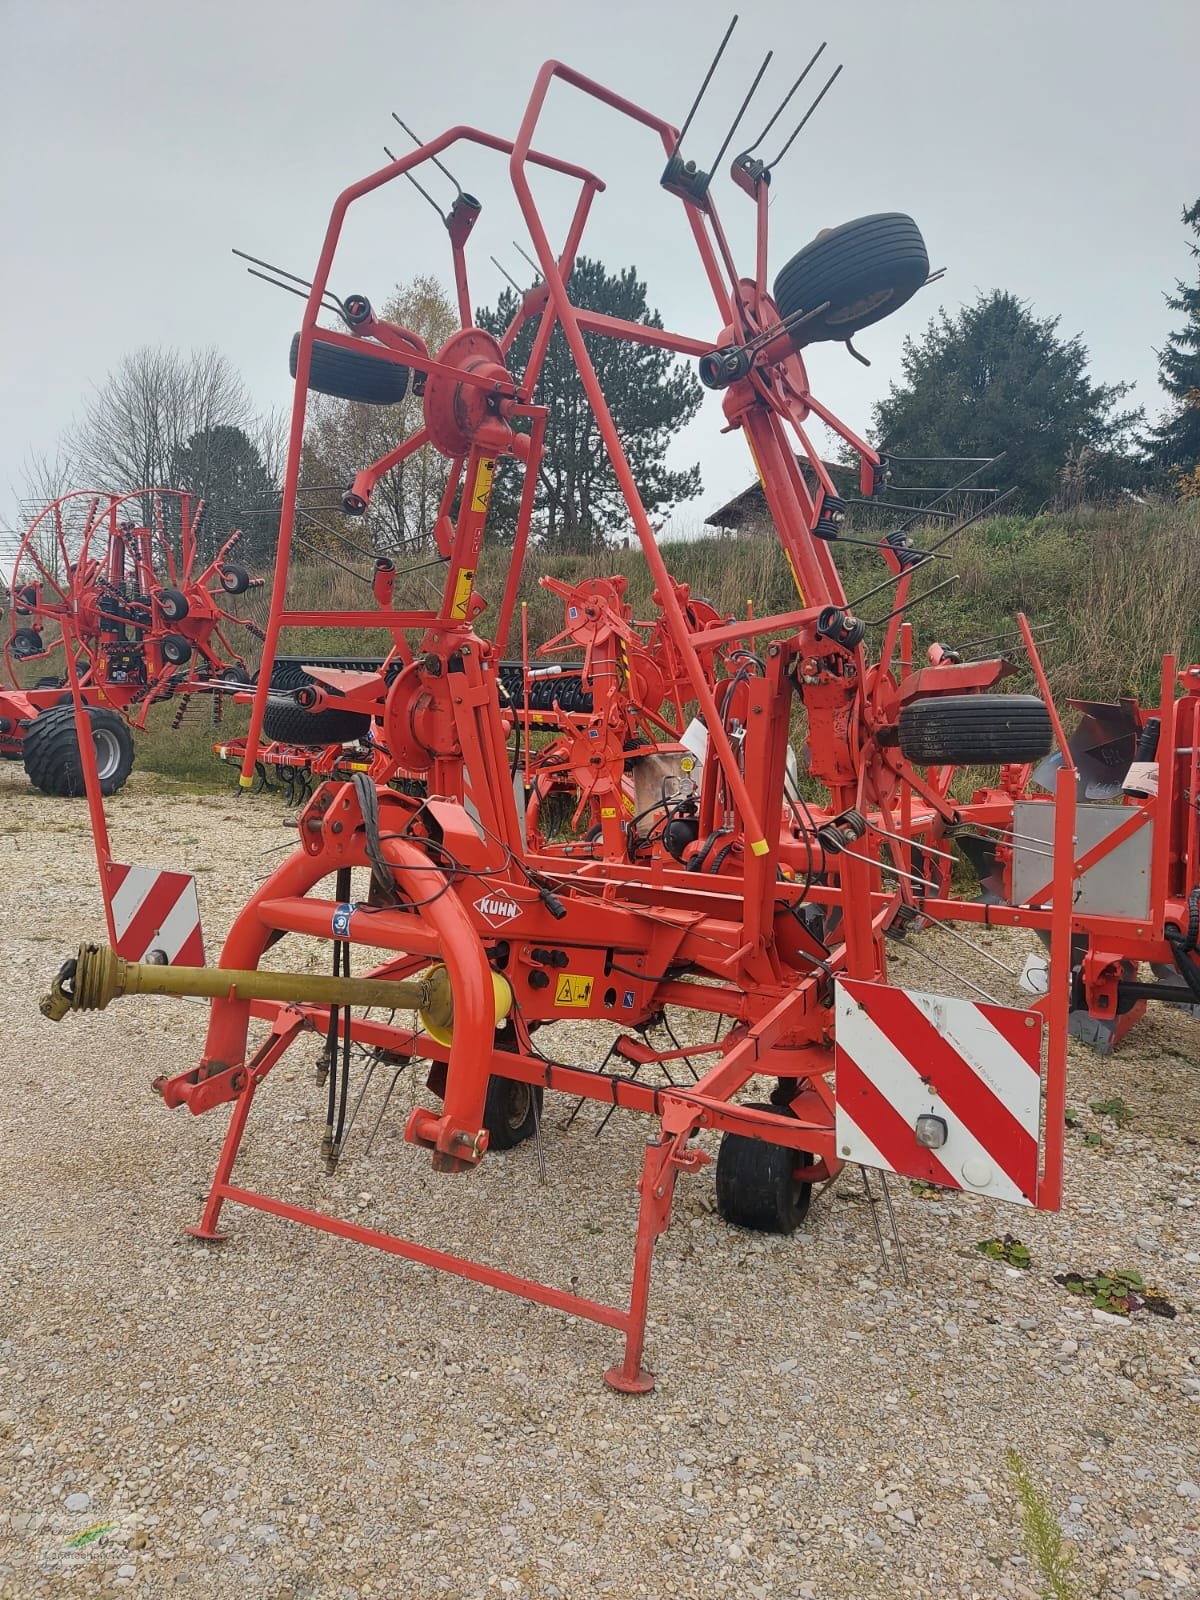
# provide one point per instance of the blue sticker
(627, 1000)
(341, 920)
(572, 612)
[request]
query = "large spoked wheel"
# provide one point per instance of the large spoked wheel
(861, 272)
(51, 751)
(757, 1186)
(510, 1112)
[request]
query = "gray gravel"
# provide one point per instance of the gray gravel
(292, 1416)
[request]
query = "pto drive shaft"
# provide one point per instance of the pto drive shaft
(98, 975)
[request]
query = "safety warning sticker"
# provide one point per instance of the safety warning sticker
(573, 989)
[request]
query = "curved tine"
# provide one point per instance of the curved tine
(687, 121)
(507, 275)
(829, 82)
(742, 110)
(418, 142)
(423, 192)
(783, 104)
(537, 271)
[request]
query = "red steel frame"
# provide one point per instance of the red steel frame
(652, 926)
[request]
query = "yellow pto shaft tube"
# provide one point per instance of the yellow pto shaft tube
(98, 975)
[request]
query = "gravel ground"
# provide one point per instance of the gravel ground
(292, 1416)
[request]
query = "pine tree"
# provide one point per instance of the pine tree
(995, 377)
(579, 503)
(1175, 444)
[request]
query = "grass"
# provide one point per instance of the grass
(1116, 588)
(1043, 1535)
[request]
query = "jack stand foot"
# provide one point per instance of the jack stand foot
(209, 1235)
(642, 1382)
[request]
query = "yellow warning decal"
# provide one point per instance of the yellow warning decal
(757, 468)
(795, 578)
(462, 594)
(482, 491)
(573, 989)
(759, 847)
(608, 811)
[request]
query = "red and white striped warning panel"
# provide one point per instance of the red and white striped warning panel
(948, 1091)
(156, 915)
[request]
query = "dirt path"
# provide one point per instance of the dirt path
(292, 1416)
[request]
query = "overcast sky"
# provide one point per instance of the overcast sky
(1044, 146)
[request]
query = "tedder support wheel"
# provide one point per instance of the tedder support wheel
(372, 380)
(508, 1112)
(866, 269)
(51, 751)
(234, 579)
(173, 604)
(975, 730)
(176, 651)
(26, 642)
(292, 724)
(756, 1186)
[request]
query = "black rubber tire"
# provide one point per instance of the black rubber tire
(51, 751)
(26, 642)
(564, 690)
(508, 1112)
(173, 604)
(292, 724)
(176, 651)
(349, 375)
(975, 730)
(49, 683)
(234, 579)
(866, 269)
(755, 1184)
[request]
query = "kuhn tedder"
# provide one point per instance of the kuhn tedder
(111, 589)
(695, 876)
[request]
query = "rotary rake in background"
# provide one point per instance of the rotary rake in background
(114, 588)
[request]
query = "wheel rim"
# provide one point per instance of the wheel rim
(515, 1106)
(860, 308)
(108, 752)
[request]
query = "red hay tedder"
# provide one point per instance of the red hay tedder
(694, 874)
(111, 590)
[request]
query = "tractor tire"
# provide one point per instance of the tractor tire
(26, 642)
(508, 1112)
(979, 730)
(234, 579)
(756, 1188)
(50, 751)
(347, 375)
(176, 651)
(289, 723)
(173, 605)
(866, 269)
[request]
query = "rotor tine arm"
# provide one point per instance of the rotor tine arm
(741, 111)
(829, 82)
(687, 121)
(783, 103)
(438, 164)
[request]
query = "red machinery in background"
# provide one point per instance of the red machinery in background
(736, 901)
(113, 588)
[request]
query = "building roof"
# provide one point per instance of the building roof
(751, 505)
